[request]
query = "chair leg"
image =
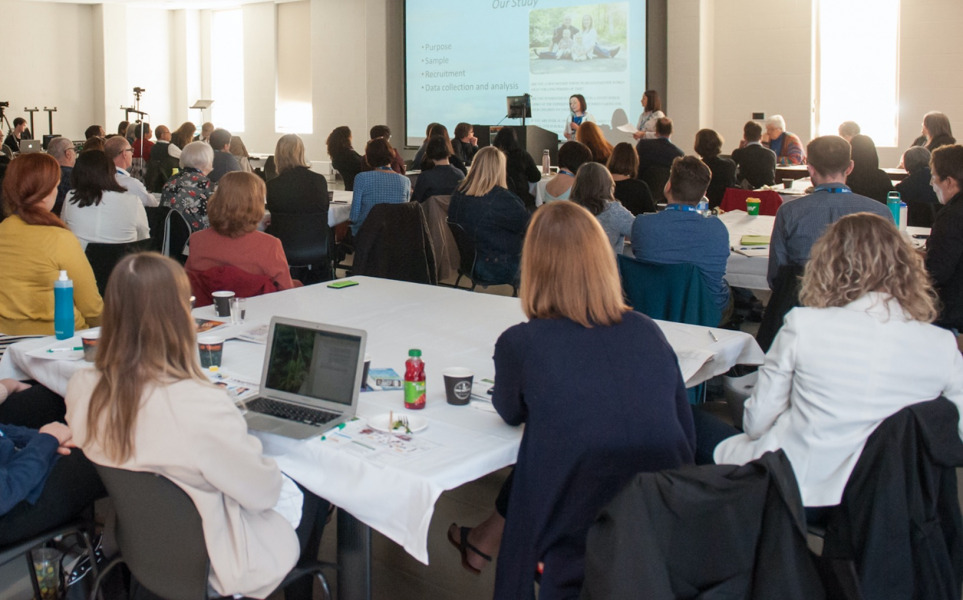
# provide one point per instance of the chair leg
(95, 592)
(457, 279)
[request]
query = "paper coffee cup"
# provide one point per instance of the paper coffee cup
(211, 351)
(222, 303)
(458, 382)
(90, 339)
(752, 206)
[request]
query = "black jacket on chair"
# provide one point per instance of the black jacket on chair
(393, 243)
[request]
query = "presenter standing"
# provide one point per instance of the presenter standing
(651, 113)
(578, 116)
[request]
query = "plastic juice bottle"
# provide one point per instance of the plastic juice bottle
(414, 380)
(63, 307)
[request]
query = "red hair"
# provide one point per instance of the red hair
(29, 180)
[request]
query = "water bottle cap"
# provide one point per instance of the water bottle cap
(414, 352)
(63, 276)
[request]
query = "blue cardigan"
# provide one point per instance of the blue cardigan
(599, 405)
(26, 458)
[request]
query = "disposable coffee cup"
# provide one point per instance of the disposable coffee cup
(90, 339)
(364, 373)
(46, 566)
(787, 183)
(458, 382)
(222, 303)
(237, 310)
(211, 350)
(752, 206)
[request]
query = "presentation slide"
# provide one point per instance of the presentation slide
(462, 59)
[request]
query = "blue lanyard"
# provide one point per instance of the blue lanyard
(566, 172)
(833, 189)
(682, 207)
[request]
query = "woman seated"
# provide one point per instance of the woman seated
(937, 131)
(147, 406)
(520, 168)
(860, 349)
(239, 151)
(421, 162)
(35, 246)
(494, 217)
(188, 191)
(380, 186)
(593, 189)
(442, 178)
(591, 135)
(180, 138)
(561, 372)
(235, 210)
(297, 190)
(866, 178)
(633, 193)
(571, 156)
(915, 190)
(944, 248)
(98, 209)
(343, 157)
(708, 145)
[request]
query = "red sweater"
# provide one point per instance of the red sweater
(256, 252)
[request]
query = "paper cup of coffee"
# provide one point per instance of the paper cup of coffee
(787, 183)
(90, 339)
(364, 373)
(211, 350)
(752, 206)
(222, 303)
(458, 382)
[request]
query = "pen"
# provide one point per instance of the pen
(713, 336)
(65, 349)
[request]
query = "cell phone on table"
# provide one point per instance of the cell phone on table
(342, 284)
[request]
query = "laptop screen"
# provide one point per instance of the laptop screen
(313, 363)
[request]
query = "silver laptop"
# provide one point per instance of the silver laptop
(311, 378)
(28, 146)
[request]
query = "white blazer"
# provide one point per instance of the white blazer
(831, 376)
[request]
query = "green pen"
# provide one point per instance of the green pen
(52, 350)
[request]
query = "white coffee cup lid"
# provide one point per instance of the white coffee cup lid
(227, 294)
(457, 372)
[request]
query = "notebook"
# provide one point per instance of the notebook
(310, 380)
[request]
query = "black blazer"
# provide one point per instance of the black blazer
(659, 152)
(298, 191)
(944, 261)
(757, 165)
(723, 176)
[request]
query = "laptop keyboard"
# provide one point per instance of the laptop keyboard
(291, 412)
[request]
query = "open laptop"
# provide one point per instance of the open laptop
(28, 146)
(311, 378)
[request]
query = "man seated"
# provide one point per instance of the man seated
(658, 152)
(224, 161)
(120, 153)
(63, 150)
(757, 164)
(800, 222)
(679, 234)
(788, 148)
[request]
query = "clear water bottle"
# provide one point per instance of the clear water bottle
(546, 162)
(903, 219)
(63, 307)
(703, 207)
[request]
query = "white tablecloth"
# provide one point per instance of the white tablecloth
(452, 328)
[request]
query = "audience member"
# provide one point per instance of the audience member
(344, 159)
(97, 208)
(757, 163)
(591, 135)
(593, 189)
(181, 137)
(94, 143)
(205, 135)
(633, 193)
(142, 144)
(465, 143)
(800, 222)
(788, 148)
(550, 369)
(94, 131)
(937, 130)
(944, 248)
(866, 178)
(397, 163)
(382, 185)
(578, 116)
(188, 191)
(297, 191)
(456, 162)
(147, 406)
(915, 190)
(680, 234)
(35, 245)
(420, 153)
(651, 113)
(162, 161)
(658, 152)
(860, 349)
(520, 169)
(708, 145)
(442, 178)
(118, 151)
(239, 151)
(571, 156)
(13, 138)
(224, 161)
(235, 210)
(492, 215)
(122, 129)
(848, 130)
(63, 150)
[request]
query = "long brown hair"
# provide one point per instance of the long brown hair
(137, 353)
(591, 135)
(30, 178)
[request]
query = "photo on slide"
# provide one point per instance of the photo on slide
(579, 39)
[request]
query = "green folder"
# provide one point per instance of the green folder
(755, 240)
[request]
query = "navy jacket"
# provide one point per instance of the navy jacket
(26, 457)
(497, 222)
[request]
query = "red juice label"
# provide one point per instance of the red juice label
(415, 394)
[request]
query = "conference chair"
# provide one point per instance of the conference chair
(735, 199)
(161, 538)
(104, 257)
(227, 278)
(446, 252)
(785, 297)
(468, 258)
(655, 177)
(308, 245)
(176, 233)
(156, 221)
(77, 528)
(393, 243)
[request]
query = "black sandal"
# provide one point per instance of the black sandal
(464, 546)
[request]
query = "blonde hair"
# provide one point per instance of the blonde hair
(134, 353)
(863, 253)
(237, 207)
(289, 153)
(487, 172)
(568, 269)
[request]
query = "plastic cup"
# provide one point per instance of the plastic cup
(364, 373)
(752, 206)
(458, 382)
(90, 339)
(222, 303)
(46, 566)
(238, 310)
(211, 350)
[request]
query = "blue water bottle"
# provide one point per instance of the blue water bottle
(63, 307)
(893, 202)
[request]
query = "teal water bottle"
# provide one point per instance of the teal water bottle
(893, 201)
(63, 307)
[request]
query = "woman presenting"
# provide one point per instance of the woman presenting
(579, 114)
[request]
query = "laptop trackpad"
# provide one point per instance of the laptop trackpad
(269, 424)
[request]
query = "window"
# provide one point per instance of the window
(857, 56)
(293, 109)
(227, 69)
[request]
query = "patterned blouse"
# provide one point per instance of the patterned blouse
(187, 193)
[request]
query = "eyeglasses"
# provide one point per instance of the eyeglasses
(131, 150)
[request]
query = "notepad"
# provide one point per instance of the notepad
(754, 240)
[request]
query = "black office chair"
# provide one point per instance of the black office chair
(161, 539)
(104, 257)
(176, 233)
(393, 243)
(655, 178)
(156, 221)
(308, 245)
(785, 297)
(78, 528)
(467, 259)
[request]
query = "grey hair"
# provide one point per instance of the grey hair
(916, 158)
(776, 121)
(58, 146)
(198, 155)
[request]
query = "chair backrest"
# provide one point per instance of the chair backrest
(466, 249)
(735, 199)
(785, 297)
(159, 532)
(442, 242)
(228, 278)
(157, 221)
(306, 239)
(104, 257)
(176, 233)
(668, 292)
(393, 243)
(655, 177)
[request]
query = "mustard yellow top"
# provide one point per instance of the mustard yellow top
(31, 258)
